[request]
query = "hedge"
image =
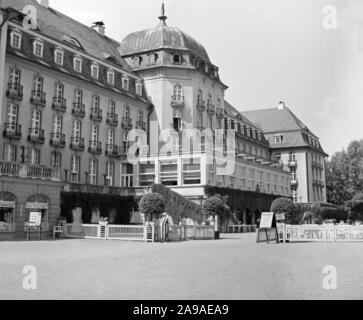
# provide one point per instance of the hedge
(325, 211)
(178, 206)
(105, 202)
(152, 204)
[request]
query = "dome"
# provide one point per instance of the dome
(161, 37)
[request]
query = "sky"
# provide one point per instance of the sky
(267, 51)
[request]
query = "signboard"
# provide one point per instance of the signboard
(35, 219)
(36, 206)
(266, 220)
(280, 216)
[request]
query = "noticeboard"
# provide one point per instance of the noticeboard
(35, 219)
(266, 220)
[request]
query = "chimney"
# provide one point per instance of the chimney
(44, 3)
(99, 26)
(281, 105)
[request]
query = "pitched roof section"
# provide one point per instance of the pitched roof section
(234, 113)
(58, 26)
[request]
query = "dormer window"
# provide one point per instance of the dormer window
(139, 88)
(74, 42)
(137, 62)
(206, 68)
(259, 136)
(216, 73)
(111, 77)
(77, 64)
(278, 139)
(38, 48)
(177, 59)
(125, 83)
(95, 70)
(248, 132)
(153, 58)
(15, 39)
(58, 56)
(254, 134)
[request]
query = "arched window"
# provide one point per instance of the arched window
(14, 76)
(178, 92)
(36, 119)
(96, 102)
(110, 137)
(77, 129)
(78, 96)
(12, 115)
(95, 129)
(75, 168)
(93, 171)
(137, 61)
(38, 84)
(59, 91)
(58, 124)
(153, 58)
(112, 107)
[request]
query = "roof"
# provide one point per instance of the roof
(161, 37)
(234, 113)
(58, 26)
(282, 121)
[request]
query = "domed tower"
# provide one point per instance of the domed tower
(180, 79)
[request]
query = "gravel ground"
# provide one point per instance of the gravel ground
(234, 267)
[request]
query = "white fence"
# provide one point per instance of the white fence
(137, 233)
(320, 233)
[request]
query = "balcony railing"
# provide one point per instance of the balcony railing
(292, 163)
(220, 113)
(79, 109)
(59, 104)
(95, 147)
(58, 140)
(15, 91)
(96, 114)
(20, 170)
(112, 119)
(12, 131)
(112, 151)
(293, 182)
(201, 105)
(177, 102)
(77, 143)
(36, 135)
(141, 125)
(38, 98)
(84, 188)
(211, 109)
(126, 122)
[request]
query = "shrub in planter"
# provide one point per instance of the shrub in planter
(152, 204)
(215, 206)
(286, 206)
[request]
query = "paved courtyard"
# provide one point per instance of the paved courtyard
(232, 268)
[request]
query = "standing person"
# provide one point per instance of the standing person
(165, 225)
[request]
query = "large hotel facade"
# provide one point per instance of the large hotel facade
(70, 96)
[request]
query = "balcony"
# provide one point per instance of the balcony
(15, 91)
(38, 98)
(95, 147)
(177, 102)
(57, 140)
(293, 182)
(12, 131)
(317, 165)
(201, 105)
(59, 104)
(211, 109)
(123, 150)
(79, 110)
(36, 135)
(26, 171)
(126, 123)
(89, 188)
(292, 163)
(112, 119)
(77, 144)
(112, 151)
(220, 113)
(96, 114)
(141, 125)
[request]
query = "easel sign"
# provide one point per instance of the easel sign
(267, 230)
(35, 222)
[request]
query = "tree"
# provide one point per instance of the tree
(286, 206)
(356, 205)
(152, 204)
(214, 206)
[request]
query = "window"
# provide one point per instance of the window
(191, 171)
(95, 71)
(96, 102)
(59, 56)
(210, 122)
(15, 39)
(38, 84)
(259, 136)
(139, 88)
(77, 64)
(278, 156)
(178, 92)
(111, 77)
(93, 171)
(137, 62)
(75, 169)
(248, 132)
(127, 111)
(58, 124)
(110, 169)
(278, 139)
(153, 58)
(95, 133)
(74, 42)
(254, 134)
(38, 48)
(110, 137)
(78, 96)
(292, 157)
(12, 115)
(125, 83)
(146, 174)
(9, 152)
(59, 91)
(169, 172)
(177, 59)
(200, 120)
(77, 129)
(140, 116)
(56, 159)
(177, 124)
(36, 119)
(14, 76)
(33, 156)
(112, 107)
